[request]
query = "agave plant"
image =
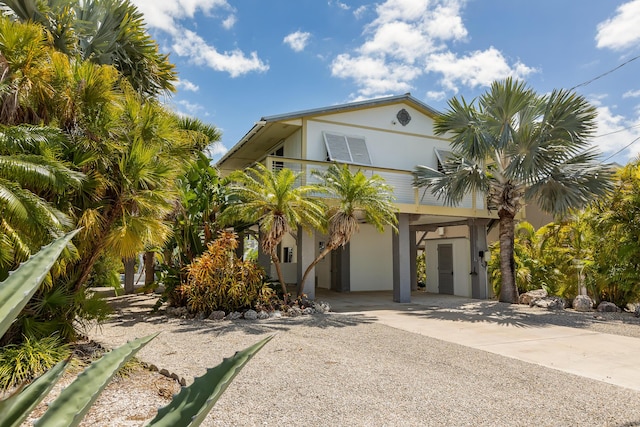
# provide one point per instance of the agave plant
(188, 408)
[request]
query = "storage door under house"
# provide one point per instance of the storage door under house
(445, 269)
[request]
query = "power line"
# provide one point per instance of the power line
(617, 131)
(621, 150)
(605, 73)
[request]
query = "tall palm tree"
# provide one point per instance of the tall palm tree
(273, 200)
(135, 183)
(352, 197)
(517, 147)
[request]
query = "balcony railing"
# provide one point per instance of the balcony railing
(400, 180)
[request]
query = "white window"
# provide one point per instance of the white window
(442, 156)
(347, 149)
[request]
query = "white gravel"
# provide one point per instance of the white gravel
(346, 370)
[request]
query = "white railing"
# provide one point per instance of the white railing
(400, 180)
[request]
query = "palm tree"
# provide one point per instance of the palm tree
(273, 200)
(356, 197)
(517, 147)
(134, 177)
(105, 32)
(32, 179)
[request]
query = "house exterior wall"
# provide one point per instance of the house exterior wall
(323, 268)
(371, 259)
(461, 265)
(395, 149)
(293, 145)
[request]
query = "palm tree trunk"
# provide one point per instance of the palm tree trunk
(149, 268)
(129, 275)
(308, 270)
(508, 289)
(283, 284)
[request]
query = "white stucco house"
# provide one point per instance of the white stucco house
(389, 137)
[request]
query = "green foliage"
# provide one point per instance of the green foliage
(106, 273)
(32, 357)
(616, 224)
(68, 409)
(421, 268)
(218, 280)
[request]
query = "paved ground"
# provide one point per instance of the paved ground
(438, 361)
(513, 331)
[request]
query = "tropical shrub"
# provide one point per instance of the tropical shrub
(32, 357)
(218, 280)
(188, 408)
(616, 224)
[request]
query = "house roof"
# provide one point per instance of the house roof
(272, 129)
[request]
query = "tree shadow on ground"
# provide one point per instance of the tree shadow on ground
(132, 310)
(505, 315)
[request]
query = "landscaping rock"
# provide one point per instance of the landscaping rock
(178, 311)
(201, 316)
(275, 314)
(608, 307)
(294, 311)
(263, 315)
(582, 303)
(529, 297)
(636, 312)
(234, 315)
(308, 310)
(250, 315)
(217, 315)
(321, 307)
(551, 303)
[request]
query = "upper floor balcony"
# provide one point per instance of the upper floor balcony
(408, 199)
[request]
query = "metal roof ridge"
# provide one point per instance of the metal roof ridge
(349, 106)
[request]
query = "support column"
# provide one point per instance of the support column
(264, 259)
(402, 261)
(478, 245)
(306, 255)
(413, 255)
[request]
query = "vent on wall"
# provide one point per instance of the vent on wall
(347, 149)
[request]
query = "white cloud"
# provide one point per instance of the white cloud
(616, 132)
(187, 85)
(191, 108)
(436, 95)
(623, 30)
(478, 68)
(341, 5)
(216, 151)
(374, 75)
(167, 16)
(297, 41)
(235, 62)
(229, 22)
(410, 38)
(359, 12)
(631, 94)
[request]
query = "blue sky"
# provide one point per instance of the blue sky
(240, 60)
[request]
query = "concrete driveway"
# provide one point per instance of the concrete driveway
(567, 341)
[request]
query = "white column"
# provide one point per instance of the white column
(306, 255)
(402, 261)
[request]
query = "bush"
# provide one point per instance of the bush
(218, 280)
(30, 358)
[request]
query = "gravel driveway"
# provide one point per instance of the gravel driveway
(348, 370)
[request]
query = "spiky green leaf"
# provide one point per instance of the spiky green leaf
(193, 403)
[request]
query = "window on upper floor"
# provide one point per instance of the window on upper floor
(279, 152)
(442, 156)
(346, 149)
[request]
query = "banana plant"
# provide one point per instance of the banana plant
(189, 407)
